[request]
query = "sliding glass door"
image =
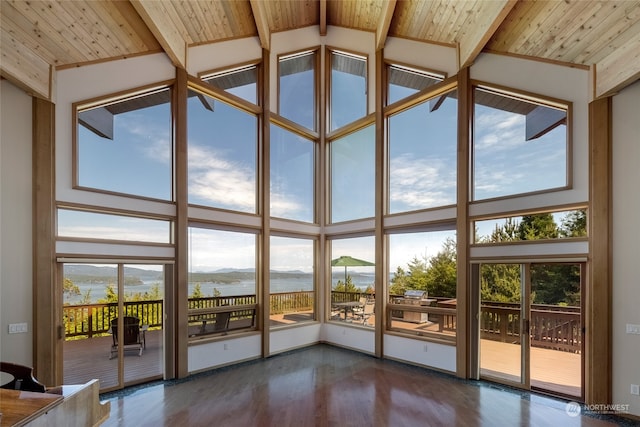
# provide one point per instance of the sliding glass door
(530, 326)
(113, 323)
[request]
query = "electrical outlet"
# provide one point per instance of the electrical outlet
(635, 389)
(18, 328)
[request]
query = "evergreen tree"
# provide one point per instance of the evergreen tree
(417, 277)
(500, 282)
(347, 286)
(197, 292)
(538, 226)
(574, 224)
(69, 288)
(441, 275)
(398, 282)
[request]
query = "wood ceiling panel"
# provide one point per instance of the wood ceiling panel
(360, 15)
(236, 21)
(285, 15)
(580, 32)
(432, 21)
(24, 22)
(65, 33)
(619, 28)
(522, 21)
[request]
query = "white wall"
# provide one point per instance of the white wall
(439, 356)
(626, 245)
(16, 249)
(294, 337)
(223, 352)
(355, 338)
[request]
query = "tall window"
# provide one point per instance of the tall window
(353, 176)
(291, 278)
(241, 82)
(223, 146)
(422, 288)
(297, 88)
(519, 145)
(292, 175)
(222, 281)
(126, 146)
(422, 155)
(348, 88)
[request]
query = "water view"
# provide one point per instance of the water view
(93, 282)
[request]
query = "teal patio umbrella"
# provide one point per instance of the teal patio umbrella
(348, 261)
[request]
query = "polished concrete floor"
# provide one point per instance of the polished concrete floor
(324, 385)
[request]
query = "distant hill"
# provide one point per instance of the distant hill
(85, 273)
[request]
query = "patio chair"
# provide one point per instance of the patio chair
(359, 310)
(22, 378)
(367, 312)
(133, 338)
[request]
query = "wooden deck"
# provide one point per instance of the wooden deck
(552, 370)
(87, 359)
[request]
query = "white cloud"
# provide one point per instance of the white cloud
(220, 181)
(422, 182)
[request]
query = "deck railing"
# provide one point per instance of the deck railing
(88, 320)
(552, 327)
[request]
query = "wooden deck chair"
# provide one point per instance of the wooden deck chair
(22, 378)
(132, 337)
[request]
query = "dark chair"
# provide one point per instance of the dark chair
(222, 321)
(133, 338)
(22, 378)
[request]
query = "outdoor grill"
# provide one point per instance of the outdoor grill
(415, 297)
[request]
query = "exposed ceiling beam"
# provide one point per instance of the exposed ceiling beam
(483, 22)
(382, 29)
(323, 17)
(619, 69)
(21, 66)
(260, 16)
(156, 16)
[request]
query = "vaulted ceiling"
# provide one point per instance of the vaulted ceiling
(40, 37)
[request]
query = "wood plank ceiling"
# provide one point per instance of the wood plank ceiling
(39, 37)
